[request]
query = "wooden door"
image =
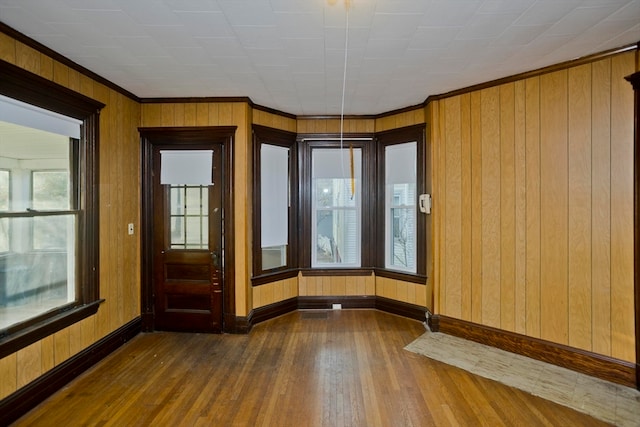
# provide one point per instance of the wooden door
(187, 246)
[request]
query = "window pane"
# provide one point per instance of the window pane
(400, 206)
(274, 257)
(50, 190)
(4, 234)
(34, 282)
(4, 190)
(336, 222)
(189, 207)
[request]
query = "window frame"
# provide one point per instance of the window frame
(384, 139)
(306, 144)
(280, 138)
(19, 84)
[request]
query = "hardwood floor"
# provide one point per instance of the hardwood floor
(321, 368)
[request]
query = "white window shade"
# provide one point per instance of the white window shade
(336, 163)
(400, 164)
(20, 113)
(186, 167)
(274, 195)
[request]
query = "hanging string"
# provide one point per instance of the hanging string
(347, 5)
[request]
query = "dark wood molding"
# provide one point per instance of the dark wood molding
(535, 73)
(326, 302)
(19, 403)
(276, 309)
(267, 278)
(18, 36)
(596, 365)
(634, 79)
(400, 308)
(419, 279)
(39, 330)
(336, 271)
(274, 111)
(196, 100)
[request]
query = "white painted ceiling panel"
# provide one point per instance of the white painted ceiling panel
(289, 54)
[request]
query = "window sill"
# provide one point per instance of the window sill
(18, 340)
(275, 276)
(399, 275)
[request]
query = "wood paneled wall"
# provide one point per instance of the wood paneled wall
(119, 205)
(332, 125)
(533, 206)
(337, 285)
(270, 293)
(222, 114)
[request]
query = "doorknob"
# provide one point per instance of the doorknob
(214, 259)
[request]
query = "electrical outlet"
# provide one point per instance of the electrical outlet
(130, 228)
(337, 306)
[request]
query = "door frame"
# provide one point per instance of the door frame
(178, 136)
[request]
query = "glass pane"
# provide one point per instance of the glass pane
(4, 235)
(4, 190)
(400, 206)
(189, 207)
(35, 282)
(337, 238)
(402, 245)
(334, 192)
(274, 257)
(50, 232)
(50, 190)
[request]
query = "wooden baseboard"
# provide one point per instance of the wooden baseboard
(270, 311)
(22, 401)
(400, 308)
(596, 365)
(326, 302)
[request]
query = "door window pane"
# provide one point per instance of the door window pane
(189, 207)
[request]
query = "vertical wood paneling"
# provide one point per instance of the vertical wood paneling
(490, 110)
(532, 178)
(8, 373)
(476, 207)
(466, 209)
(29, 363)
(579, 234)
(553, 204)
(507, 207)
(601, 206)
(520, 195)
(622, 151)
(453, 207)
(550, 196)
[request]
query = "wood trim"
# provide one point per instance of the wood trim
(336, 271)
(400, 308)
(596, 365)
(266, 278)
(274, 111)
(270, 311)
(39, 330)
(18, 36)
(534, 73)
(196, 100)
(634, 79)
(22, 401)
(326, 302)
(419, 279)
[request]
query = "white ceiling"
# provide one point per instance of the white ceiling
(289, 54)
